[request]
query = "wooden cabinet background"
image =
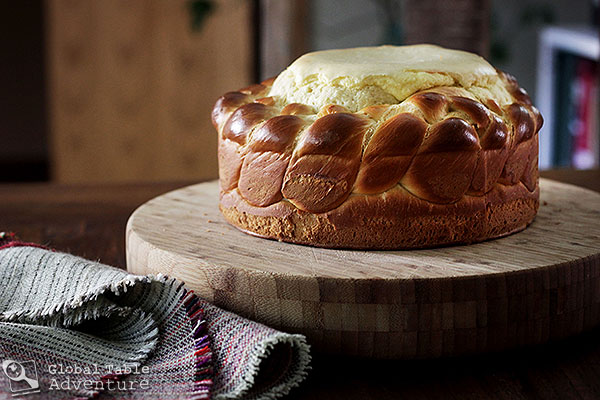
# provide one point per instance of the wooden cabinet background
(131, 86)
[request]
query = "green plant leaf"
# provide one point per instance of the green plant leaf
(199, 11)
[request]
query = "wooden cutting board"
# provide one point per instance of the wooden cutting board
(530, 287)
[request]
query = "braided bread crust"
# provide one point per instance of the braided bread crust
(440, 167)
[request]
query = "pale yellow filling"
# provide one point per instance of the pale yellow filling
(360, 77)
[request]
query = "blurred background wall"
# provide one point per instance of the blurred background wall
(121, 90)
(23, 120)
(131, 84)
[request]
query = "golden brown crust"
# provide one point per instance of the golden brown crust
(438, 168)
(315, 181)
(389, 153)
(397, 220)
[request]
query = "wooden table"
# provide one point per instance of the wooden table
(90, 221)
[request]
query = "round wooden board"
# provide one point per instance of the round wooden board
(530, 287)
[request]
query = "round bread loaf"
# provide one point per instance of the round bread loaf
(380, 148)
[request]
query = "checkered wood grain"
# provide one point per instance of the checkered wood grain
(530, 287)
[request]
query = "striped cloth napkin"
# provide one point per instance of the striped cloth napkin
(73, 328)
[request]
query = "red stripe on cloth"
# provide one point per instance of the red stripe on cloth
(10, 239)
(17, 243)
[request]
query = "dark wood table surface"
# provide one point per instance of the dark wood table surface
(89, 220)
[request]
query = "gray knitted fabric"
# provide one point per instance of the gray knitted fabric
(86, 326)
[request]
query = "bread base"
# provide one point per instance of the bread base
(394, 220)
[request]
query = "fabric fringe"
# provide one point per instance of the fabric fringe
(203, 355)
(80, 309)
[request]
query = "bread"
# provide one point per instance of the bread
(380, 148)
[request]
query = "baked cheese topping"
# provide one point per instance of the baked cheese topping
(364, 76)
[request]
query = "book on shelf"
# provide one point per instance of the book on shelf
(576, 136)
(585, 128)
